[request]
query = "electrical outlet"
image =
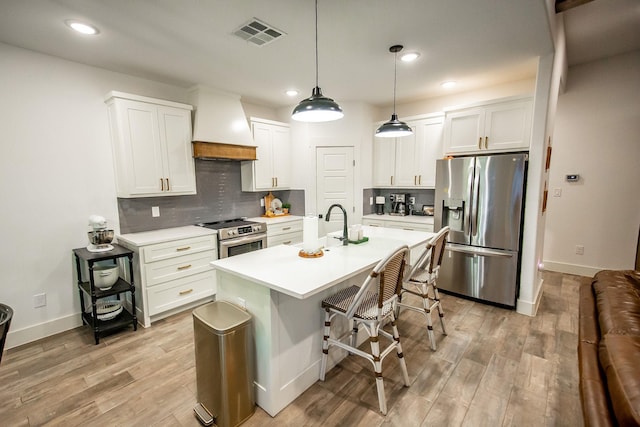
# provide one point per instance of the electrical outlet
(242, 303)
(579, 250)
(262, 202)
(155, 211)
(370, 201)
(39, 300)
(557, 192)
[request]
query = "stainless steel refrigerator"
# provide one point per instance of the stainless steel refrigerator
(481, 199)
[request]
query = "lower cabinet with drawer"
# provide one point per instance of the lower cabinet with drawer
(405, 223)
(284, 232)
(174, 271)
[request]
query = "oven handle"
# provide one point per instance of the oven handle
(242, 240)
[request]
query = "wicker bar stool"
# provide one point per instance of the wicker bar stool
(421, 281)
(6, 314)
(369, 306)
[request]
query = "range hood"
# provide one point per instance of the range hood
(220, 128)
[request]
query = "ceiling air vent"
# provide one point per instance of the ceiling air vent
(258, 33)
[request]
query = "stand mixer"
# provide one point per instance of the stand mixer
(100, 237)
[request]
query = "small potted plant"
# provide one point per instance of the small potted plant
(286, 207)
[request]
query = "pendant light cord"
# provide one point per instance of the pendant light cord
(316, 43)
(395, 75)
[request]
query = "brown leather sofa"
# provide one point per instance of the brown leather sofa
(609, 349)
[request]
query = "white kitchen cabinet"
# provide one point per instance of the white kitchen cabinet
(151, 140)
(413, 223)
(173, 270)
(409, 161)
(284, 232)
(272, 169)
(494, 127)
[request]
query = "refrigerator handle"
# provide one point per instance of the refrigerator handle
(474, 202)
(478, 251)
(467, 206)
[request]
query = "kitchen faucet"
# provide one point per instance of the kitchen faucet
(345, 235)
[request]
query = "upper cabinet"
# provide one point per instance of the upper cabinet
(272, 169)
(151, 141)
(494, 127)
(409, 161)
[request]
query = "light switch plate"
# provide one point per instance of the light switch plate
(155, 211)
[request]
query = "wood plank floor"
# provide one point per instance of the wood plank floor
(494, 368)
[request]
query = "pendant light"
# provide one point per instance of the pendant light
(394, 128)
(317, 108)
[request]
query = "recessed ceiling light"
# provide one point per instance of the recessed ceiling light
(82, 27)
(448, 85)
(409, 56)
(292, 92)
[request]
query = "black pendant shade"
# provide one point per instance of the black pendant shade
(394, 128)
(317, 108)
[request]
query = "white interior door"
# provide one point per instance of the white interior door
(334, 184)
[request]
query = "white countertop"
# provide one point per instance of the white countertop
(165, 235)
(276, 219)
(281, 269)
(407, 218)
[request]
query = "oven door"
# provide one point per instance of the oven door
(242, 245)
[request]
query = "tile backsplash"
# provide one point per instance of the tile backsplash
(423, 197)
(219, 197)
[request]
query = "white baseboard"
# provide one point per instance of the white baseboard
(578, 270)
(530, 308)
(26, 335)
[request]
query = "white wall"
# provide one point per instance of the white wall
(597, 135)
(55, 171)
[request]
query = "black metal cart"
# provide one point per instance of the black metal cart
(88, 288)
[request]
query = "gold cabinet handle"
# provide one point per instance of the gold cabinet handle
(288, 242)
(479, 143)
(419, 179)
(168, 188)
(183, 248)
(186, 291)
(391, 179)
(161, 184)
(486, 142)
(286, 228)
(276, 181)
(184, 267)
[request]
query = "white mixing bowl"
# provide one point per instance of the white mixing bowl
(105, 276)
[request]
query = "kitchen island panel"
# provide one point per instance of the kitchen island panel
(283, 293)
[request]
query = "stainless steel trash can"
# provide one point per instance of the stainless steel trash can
(224, 351)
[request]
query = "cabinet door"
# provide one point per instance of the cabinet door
(281, 155)
(384, 155)
(508, 125)
(262, 167)
(428, 150)
(464, 130)
(175, 136)
(137, 123)
(405, 173)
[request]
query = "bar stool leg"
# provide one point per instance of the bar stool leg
(427, 312)
(440, 310)
(325, 343)
(377, 363)
(403, 364)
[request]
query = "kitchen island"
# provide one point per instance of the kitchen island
(283, 291)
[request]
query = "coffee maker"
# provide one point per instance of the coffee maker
(380, 205)
(398, 204)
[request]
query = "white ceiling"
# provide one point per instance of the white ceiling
(186, 42)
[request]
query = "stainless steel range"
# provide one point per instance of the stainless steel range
(238, 236)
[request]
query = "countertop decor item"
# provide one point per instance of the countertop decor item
(310, 243)
(394, 128)
(317, 108)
